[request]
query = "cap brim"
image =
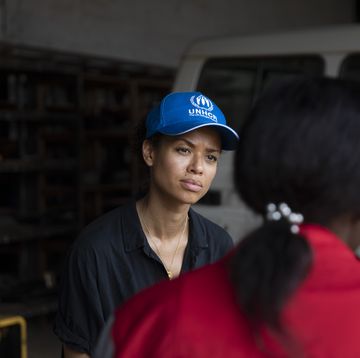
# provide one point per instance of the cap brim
(229, 138)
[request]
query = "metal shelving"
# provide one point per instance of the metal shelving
(65, 136)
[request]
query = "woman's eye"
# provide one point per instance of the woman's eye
(212, 158)
(183, 150)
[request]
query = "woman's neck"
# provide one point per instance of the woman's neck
(164, 221)
(347, 229)
(166, 231)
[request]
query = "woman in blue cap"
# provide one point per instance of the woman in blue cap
(156, 237)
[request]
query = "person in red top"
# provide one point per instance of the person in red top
(291, 288)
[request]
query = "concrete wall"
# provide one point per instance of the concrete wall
(155, 31)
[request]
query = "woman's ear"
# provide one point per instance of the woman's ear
(148, 152)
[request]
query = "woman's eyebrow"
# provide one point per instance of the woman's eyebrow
(191, 144)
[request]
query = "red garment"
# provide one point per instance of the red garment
(197, 315)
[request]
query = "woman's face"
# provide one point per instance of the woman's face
(183, 167)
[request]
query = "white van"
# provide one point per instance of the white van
(233, 70)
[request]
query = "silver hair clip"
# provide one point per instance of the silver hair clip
(282, 211)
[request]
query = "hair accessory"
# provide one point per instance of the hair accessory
(182, 112)
(283, 211)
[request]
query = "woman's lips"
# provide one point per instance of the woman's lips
(192, 185)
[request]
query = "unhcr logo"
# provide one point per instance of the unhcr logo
(202, 102)
(203, 108)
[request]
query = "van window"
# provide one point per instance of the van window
(234, 83)
(350, 67)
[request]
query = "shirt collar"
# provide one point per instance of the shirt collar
(197, 237)
(318, 235)
(134, 237)
(334, 263)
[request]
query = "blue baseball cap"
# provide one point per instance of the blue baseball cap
(182, 112)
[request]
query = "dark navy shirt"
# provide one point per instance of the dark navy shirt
(111, 261)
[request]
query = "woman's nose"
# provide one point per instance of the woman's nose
(196, 165)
